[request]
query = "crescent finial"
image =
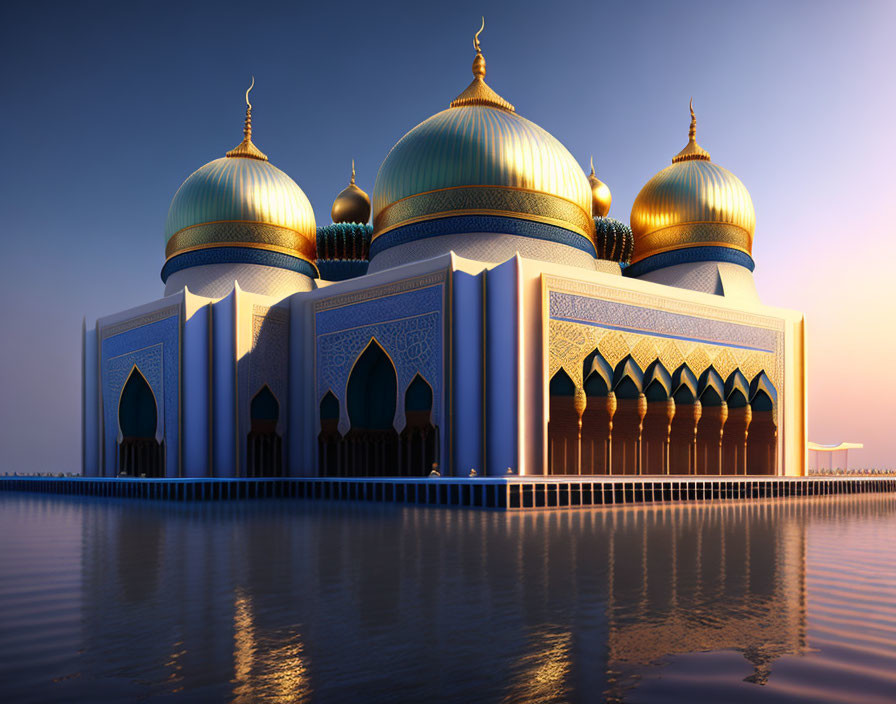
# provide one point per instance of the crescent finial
(692, 131)
(251, 86)
(476, 37)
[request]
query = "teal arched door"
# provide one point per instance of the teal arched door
(139, 453)
(264, 447)
(372, 443)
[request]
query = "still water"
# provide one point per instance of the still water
(290, 601)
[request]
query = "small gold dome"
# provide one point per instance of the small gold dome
(600, 195)
(693, 203)
(352, 204)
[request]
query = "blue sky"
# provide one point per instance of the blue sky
(108, 107)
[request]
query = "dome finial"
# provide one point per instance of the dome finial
(692, 150)
(592, 165)
(352, 182)
(478, 92)
(692, 130)
(247, 128)
(479, 61)
(246, 148)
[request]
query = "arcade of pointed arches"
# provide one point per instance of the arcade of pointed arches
(626, 420)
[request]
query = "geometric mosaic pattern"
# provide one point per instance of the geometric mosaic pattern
(405, 318)
(151, 342)
(584, 317)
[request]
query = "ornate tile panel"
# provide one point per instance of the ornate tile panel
(151, 343)
(649, 327)
(645, 319)
(405, 318)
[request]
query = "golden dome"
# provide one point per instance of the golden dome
(600, 195)
(352, 204)
(240, 208)
(485, 166)
(693, 204)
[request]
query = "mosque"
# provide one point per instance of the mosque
(493, 320)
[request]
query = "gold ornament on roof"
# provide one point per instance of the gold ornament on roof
(245, 148)
(600, 194)
(692, 150)
(352, 204)
(478, 92)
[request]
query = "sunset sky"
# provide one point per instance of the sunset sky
(108, 107)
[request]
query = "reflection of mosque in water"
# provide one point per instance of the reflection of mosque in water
(367, 599)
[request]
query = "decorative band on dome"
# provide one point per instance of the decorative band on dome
(238, 255)
(705, 234)
(237, 233)
(469, 224)
(500, 201)
(689, 255)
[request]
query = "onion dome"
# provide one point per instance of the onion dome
(692, 211)
(600, 195)
(479, 167)
(240, 209)
(352, 204)
(343, 248)
(613, 240)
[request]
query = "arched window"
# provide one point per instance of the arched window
(737, 427)
(417, 444)
(712, 422)
(762, 442)
(600, 405)
(658, 420)
(683, 434)
(563, 426)
(139, 453)
(631, 407)
(372, 443)
(329, 441)
(264, 447)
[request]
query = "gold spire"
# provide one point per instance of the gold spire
(245, 148)
(600, 194)
(692, 150)
(352, 182)
(478, 92)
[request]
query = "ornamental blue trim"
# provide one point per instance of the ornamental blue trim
(341, 269)
(463, 224)
(689, 256)
(237, 255)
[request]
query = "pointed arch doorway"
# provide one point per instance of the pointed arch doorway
(139, 453)
(371, 442)
(264, 446)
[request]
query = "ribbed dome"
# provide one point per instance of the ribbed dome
(240, 190)
(240, 209)
(477, 161)
(694, 204)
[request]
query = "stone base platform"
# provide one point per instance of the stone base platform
(502, 493)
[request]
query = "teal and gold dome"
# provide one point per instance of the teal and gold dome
(240, 209)
(693, 210)
(479, 167)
